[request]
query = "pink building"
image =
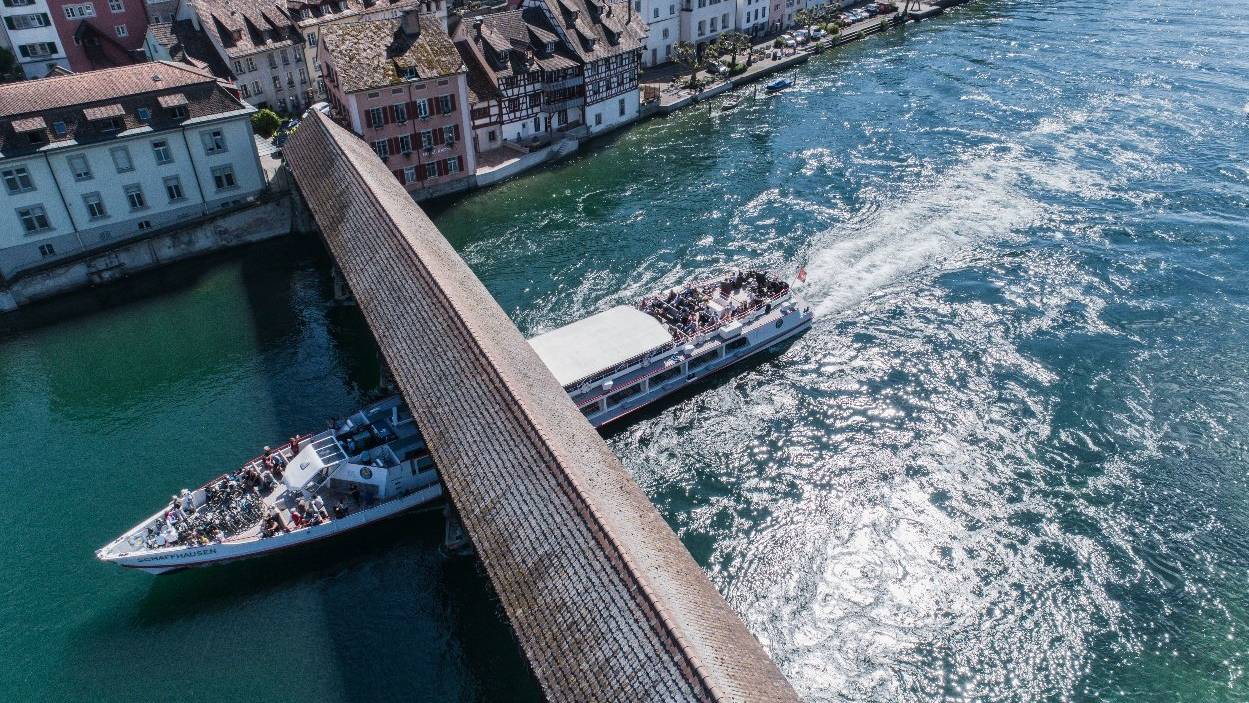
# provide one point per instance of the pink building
(401, 85)
(100, 33)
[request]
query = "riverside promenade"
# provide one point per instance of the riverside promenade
(670, 81)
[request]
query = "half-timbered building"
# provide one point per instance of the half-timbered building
(523, 73)
(607, 38)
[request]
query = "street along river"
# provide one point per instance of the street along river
(1007, 463)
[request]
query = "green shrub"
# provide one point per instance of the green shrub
(777, 43)
(265, 122)
(737, 69)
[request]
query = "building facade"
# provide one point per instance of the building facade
(402, 86)
(260, 41)
(663, 29)
(704, 20)
(92, 159)
(100, 33)
(752, 17)
(607, 37)
(30, 31)
(521, 74)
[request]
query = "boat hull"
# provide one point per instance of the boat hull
(166, 560)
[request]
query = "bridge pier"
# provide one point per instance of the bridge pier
(455, 541)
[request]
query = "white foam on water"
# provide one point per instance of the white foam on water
(978, 200)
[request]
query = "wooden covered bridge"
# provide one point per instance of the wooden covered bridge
(605, 601)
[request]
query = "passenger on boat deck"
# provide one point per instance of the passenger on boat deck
(297, 519)
(354, 492)
(294, 445)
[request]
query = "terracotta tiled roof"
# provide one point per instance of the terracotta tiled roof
(599, 28)
(29, 124)
(101, 112)
(507, 38)
(95, 86)
(605, 601)
(311, 14)
(172, 100)
(191, 46)
(245, 27)
(70, 105)
(374, 53)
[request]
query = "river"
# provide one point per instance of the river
(1008, 463)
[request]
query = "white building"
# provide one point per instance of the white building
(29, 32)
(704, 20)
(752, 17)
(663, 23)
(94, 158)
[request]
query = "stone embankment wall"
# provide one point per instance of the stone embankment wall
(269, 218)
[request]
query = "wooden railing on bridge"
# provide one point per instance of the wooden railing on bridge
(605, 601)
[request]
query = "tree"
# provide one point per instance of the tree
(265, 122)
(734, 42)
(803, 18)
(686, 54)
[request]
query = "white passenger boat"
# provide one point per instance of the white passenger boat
(375, 464)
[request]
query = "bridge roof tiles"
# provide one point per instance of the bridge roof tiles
(603, 598)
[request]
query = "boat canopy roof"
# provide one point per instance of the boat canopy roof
(599, 342)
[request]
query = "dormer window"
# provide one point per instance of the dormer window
(174, 104)
(107, 118)
(144, 114)
(550, 47)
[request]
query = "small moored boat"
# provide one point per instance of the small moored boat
(731, 102)
(778, 85)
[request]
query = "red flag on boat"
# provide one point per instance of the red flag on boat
(802, 274)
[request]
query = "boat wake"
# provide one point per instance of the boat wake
(980, 200)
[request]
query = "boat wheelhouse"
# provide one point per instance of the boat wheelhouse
(374, 464)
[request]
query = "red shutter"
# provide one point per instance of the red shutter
(437, 137)
(399, 174)
(452, 96)
(383, 111)
(393, 145)
(442, 167)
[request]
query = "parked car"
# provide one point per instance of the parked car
(801, 36)
(818, 33)
(871, 9)
(717, 69)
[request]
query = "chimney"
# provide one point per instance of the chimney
(477, 24)
(410, 23)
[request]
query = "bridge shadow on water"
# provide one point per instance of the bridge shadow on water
(375, 614)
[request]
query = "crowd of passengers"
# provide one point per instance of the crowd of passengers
(233, 503)
(688, 310)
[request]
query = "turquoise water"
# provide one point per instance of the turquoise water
(1006, 464)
